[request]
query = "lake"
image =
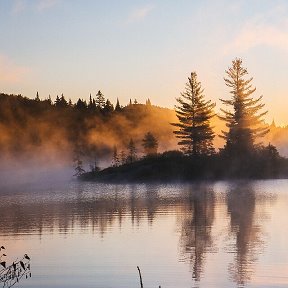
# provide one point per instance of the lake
(219, 234)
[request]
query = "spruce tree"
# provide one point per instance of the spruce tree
(108, 108)
(132, 152)
(100, 100)
(116, 159)
(150, 144)
(194, 114)
(117, 106)
(245, 120)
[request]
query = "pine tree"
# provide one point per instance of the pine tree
(57, 101)
(132, 153)
(91, 105)
(245, 122)
(49, 100)
(150, 144)
(81, 104)
(194, 114)
(78, 166)
(108, 108)
(148, 102)
(115, 160)
(117, 106)
(123, 157)
(100, 100)
(63, 103)
(37, 97)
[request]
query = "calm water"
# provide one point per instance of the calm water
(203, 235)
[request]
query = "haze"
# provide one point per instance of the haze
(141, 49)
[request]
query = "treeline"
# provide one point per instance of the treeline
(243, 154)
(60, 130)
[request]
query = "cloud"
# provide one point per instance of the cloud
(10, 72)
(18, 7)
(46, 4)
(257, 35)
(139, 13)
(269, 28)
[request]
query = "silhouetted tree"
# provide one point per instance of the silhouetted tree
(78, 163)
(115, 160)
(150, 144)
(100, 100)
(132, 152)
(49, 100)
(63, 103)
(245, 121)
(148, 102)
(117, 106)
(123, 157)
(37, 97)
(91, 105)
(81, 104)
(108, 108)
(194, 114)
(57, 101)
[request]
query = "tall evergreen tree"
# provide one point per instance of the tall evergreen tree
(245, 120)
(150, 144)
(100, 100)
(132, 152)
(194, 114)
(148, 102)
(116, 159)
(108, 108)
(117, 106)
(37, 97)
(57, 101)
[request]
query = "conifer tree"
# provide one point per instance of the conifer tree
(245, 119)
(150, 144)
(117, 106)
(100, 100)
(108, 108)
(91, 105)
(194, 114)
(63, 103)
(148, 102)
(37, 97)
(123, 157)
(49, 100)
(132, 153)
(115, 160)
(57, 101)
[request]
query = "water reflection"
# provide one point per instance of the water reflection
(197, 220)
(246, 228)
(99, 208)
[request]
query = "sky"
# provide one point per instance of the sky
(143, 49)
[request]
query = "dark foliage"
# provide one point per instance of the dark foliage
(174, 166)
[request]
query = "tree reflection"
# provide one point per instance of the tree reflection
(197, 220)
(245, 229)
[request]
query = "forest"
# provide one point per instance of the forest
(144, 142)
